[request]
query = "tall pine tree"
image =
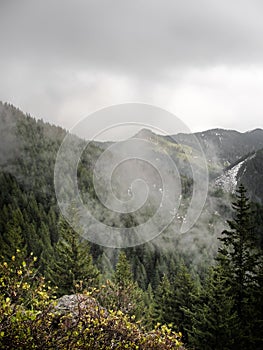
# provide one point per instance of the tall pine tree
(122, 292)
(213, 319)
(228, 314)
(241, 262)
(72, 263)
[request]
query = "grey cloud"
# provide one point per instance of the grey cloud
(63, 59)
(133, 36)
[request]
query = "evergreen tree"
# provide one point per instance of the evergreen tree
(105, 267)
(228, 314)
(139, 273)
(72, 263)
(149, 320)
(213, 320)
(164, 302)
(12, 240)
(184, 291)
(123, 293)
(174, 300)
(241, 262)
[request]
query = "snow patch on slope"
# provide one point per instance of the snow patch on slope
(228, 181)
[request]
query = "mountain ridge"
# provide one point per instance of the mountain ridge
(223, 148)
(32, 147)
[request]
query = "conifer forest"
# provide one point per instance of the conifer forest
(198, 290)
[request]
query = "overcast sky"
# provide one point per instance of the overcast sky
(199, 59)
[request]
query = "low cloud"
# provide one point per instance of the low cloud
(201, 60)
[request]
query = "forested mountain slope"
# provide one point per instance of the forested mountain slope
(28, 152)
(160, 280)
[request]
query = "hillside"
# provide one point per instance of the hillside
(247, 171)
(172, 266)
(29, 150)
(224, 147)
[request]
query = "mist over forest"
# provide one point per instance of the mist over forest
(153, 285)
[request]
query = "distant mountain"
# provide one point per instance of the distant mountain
(28, 151)
(224, 147)
(233, 157)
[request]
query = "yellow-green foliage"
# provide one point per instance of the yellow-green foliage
(29, 318)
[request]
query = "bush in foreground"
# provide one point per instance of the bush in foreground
(31, 318)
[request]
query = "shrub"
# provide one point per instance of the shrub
(30, 317)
